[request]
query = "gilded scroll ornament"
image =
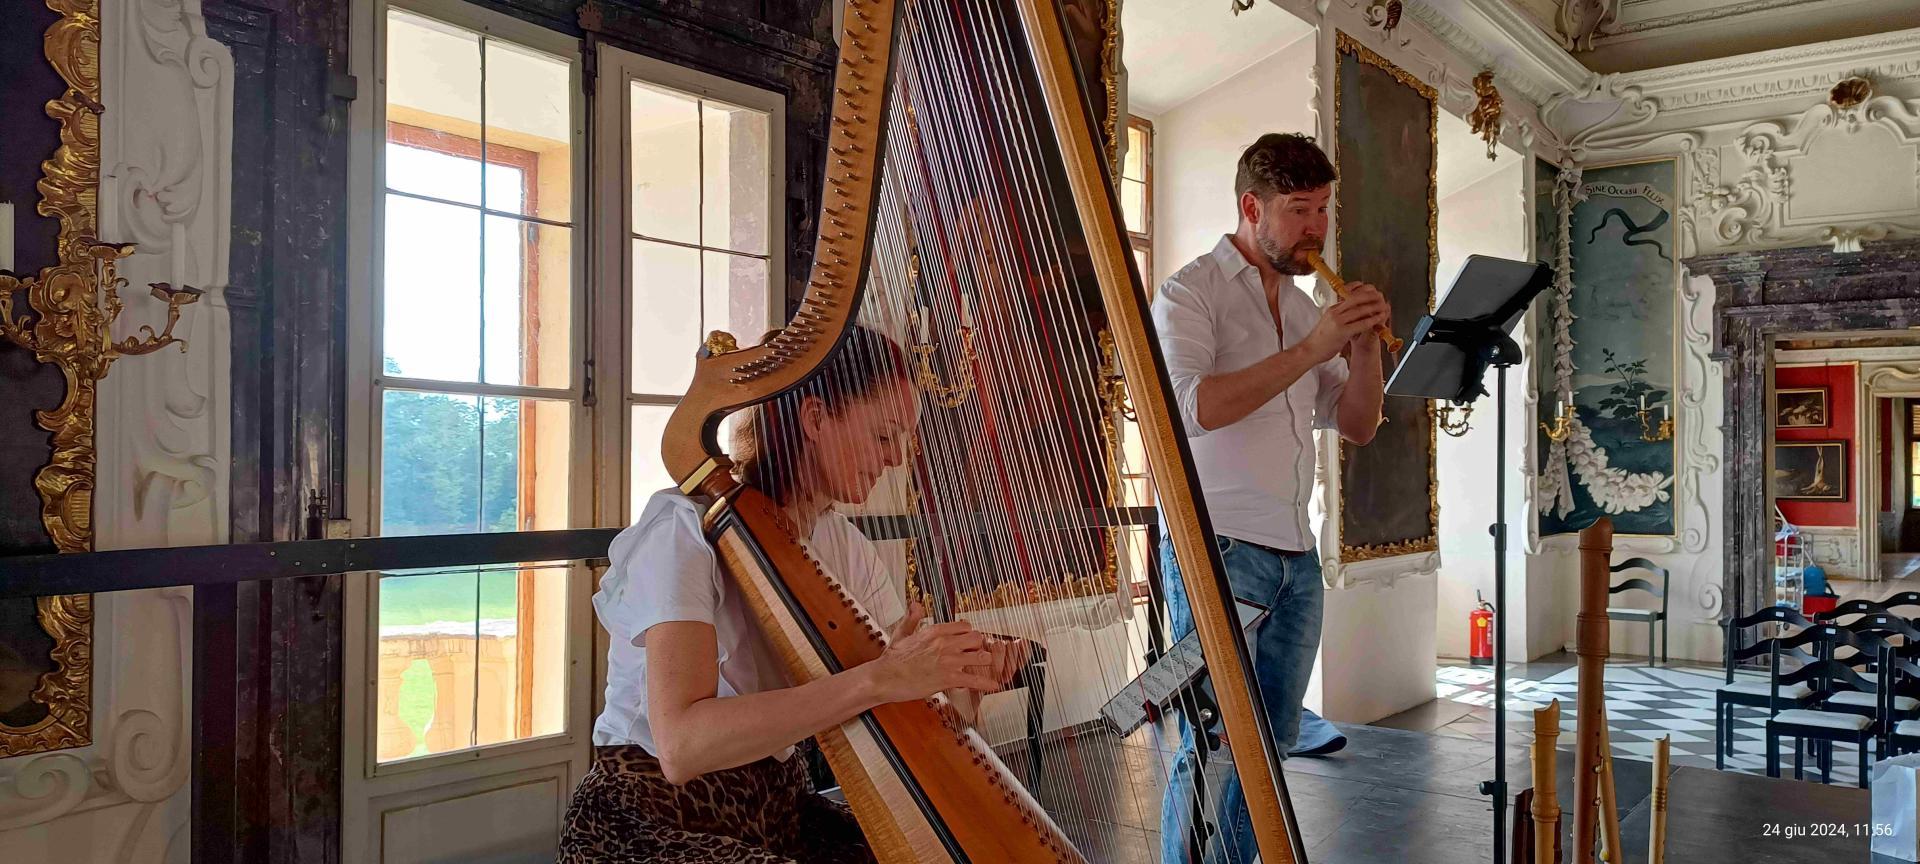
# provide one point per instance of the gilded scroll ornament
(1485, 119)
(72, 307)
(1850, 92)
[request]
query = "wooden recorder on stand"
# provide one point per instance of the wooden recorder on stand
(1596, 819)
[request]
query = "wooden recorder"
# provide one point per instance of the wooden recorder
(1339, 287)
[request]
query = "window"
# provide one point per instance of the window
(1136, 208)
(700, 226)
(1136, 195)
(1913, 456)
(475, 395)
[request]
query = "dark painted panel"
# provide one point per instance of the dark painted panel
(1387, 157)
(26, 385)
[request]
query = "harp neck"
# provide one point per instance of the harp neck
(727, 378)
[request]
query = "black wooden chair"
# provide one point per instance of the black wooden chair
(1653, 617)
(1887, 704)
(1825, 677)
(1752, 692)
(1861, 606)
(1899, 673)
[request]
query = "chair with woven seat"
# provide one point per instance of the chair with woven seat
(1901, 674)
(1653, 617)
(1818, 721)
(1752, 693)
(1887, 705)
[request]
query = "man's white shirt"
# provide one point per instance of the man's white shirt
(1255, 474)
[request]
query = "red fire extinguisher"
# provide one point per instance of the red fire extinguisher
(1480, 632)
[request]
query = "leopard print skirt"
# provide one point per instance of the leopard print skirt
(625, 812)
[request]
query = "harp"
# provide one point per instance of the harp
(968, 216)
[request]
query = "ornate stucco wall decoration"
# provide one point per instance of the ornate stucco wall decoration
(1581, 20)
(1803, 179)
(1384, 16)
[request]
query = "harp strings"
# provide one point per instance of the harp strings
(1011, 480)
(990, 318)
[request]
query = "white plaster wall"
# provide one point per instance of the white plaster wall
(1376, 649)
(1198, 143)
(1487, 217)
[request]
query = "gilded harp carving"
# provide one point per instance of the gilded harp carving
(969, 221)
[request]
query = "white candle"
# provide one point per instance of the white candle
(1643, 401)
(966, 311)
(179, 255)
(923, 325)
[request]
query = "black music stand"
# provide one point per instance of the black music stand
(1451, 351)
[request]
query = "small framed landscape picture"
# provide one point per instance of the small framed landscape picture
(1810, 470)
(1800, 408)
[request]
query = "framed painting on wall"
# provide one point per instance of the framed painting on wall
(1810, 471)
(1800, 407)
(1387, 156)
(1607, 338)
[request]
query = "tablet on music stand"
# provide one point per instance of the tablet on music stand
(1450, 350)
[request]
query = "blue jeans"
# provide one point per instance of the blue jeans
(1283, 647)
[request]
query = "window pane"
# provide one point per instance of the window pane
(428, 631)
(649, 475)
(436, 164)
(1133, 203)
(529, 281)
(666, 316)
(734, 178)
(529, 127)
(734, 295)
(1134, 166)
(431, 291)
(433, 82)
(1146, 272)
(665, 130)
(448, 467)
(520, 656)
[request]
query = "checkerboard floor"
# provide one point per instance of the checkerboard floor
(1643, 705)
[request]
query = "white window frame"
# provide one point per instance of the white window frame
(613, 281)
(367, 385)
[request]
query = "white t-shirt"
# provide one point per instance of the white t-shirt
(664, 570)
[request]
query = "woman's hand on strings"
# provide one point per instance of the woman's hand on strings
(930, 658)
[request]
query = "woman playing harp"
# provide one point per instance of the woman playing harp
(695, 753)
(966, 213)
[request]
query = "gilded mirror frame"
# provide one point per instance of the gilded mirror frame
(68, 192)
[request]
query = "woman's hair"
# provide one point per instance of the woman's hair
(767, 444)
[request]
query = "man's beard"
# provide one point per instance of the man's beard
(1283, 259)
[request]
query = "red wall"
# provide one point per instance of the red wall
(1838, 381)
